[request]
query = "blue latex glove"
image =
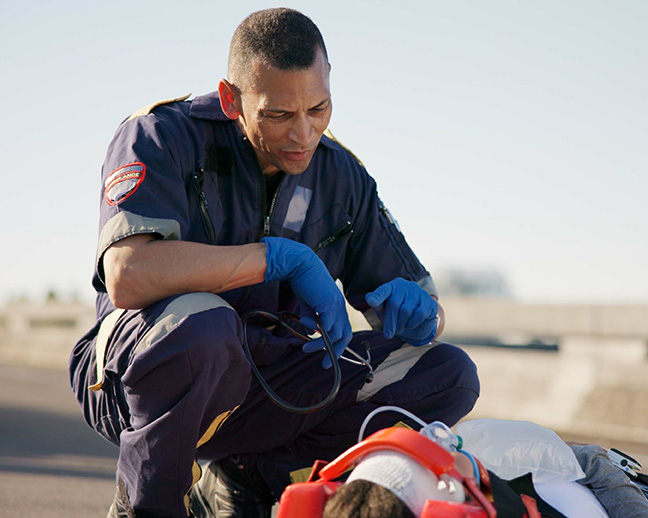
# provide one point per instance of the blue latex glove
(313, 285)
(406, 311)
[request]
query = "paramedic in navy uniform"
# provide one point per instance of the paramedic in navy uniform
(238, 200)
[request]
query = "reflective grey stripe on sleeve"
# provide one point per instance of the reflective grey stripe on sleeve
(372, 317)
(176, 312)
(393, 369)
(124, 224)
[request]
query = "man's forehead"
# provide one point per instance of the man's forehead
(269, 82)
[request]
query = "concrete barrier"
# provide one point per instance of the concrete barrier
(42, 334)
(593, 384)
(483, 316)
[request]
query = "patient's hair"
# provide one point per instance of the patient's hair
(363, 499)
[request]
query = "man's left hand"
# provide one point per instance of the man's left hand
(406, 310)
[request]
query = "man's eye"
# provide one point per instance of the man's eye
(274, 115)
(319, 109)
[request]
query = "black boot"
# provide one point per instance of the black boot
(232, 488)
(121, 507)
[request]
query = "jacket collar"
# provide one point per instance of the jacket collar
(208, 107)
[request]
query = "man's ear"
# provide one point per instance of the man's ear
(230, 99)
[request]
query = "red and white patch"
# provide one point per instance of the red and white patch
(123, 182)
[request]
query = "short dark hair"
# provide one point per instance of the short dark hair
(280, 37)
(363, 499)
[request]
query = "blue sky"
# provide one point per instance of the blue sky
(504, 135)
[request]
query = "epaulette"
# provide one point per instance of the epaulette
(327, 132)
(146, 110)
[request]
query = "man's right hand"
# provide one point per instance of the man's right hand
(312, 283)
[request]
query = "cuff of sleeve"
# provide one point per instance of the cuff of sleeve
(428, 285)
(125, 224)
(372, 319)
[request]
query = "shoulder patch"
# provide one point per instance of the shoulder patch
(123, 182)
(146, 110)
(327, 133)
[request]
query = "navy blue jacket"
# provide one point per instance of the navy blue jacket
(183, 170)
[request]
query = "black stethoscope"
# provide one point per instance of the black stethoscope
(285, 320)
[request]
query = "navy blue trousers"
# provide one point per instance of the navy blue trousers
(177, 387)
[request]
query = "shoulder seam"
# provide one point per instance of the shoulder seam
(146, 110)
(327, 133)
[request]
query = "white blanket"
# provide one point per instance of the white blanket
(571, 499)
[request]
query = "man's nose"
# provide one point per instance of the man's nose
(301, 132)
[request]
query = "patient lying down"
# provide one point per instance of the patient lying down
(531, 476)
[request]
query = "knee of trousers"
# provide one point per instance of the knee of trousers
(423, 370)
(435, 382)
(457, 383)
(196, 332)
(465, 368)
(462, 376)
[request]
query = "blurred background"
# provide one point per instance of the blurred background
(505, 136)
(508, 139)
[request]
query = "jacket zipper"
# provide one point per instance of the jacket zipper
(266, 219)
(342, 231)
(386, 212)
(198, 178)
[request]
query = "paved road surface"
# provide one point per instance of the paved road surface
(52, 465)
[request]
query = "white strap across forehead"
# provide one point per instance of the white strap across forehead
(407, 479)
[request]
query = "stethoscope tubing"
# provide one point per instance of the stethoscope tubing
(289, 407)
